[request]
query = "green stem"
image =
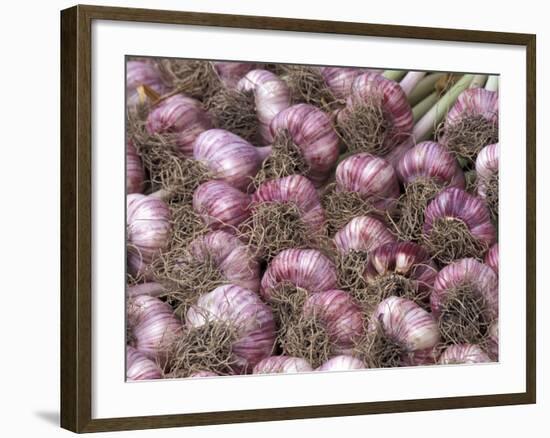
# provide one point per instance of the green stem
(424, 105)
(478, 81)
(394, 75)
(492, 83)
(425, 127)
(411, 80)
(424, 88)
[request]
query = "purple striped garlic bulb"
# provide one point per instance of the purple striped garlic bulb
(152, 327)
(471, 123)
(210, 260)
(142, 72)
(139, 367)
(285, 213)
(340, 79)
(135, 175)
(228, 157)
(364, 185)
(401, 329)
(492, 259)
(282, 365)
(178, 120)
(329, 324)
(377, 116)
(402, 269)
(306, 269)
(148, 231)
(271, 96)
(304, 142)
(359, 237)
(463, 354)
(231, 73)
(221, 206)
(241, 325)
(424, 170)
(487, 177)
(464, 300)
(342, 363)
(457, 225)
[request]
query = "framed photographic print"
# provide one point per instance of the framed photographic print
(268, 219)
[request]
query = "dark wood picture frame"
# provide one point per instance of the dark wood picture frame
(76, 238)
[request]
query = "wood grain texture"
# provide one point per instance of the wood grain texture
(76, 225)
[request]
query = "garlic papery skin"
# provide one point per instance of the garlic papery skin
(471, 123)
(220, 205)
(228, 157)
(308, 269)
(340, 316)
(342, 363)
(454, 214)
(340, 79)
(464, 300)
(152, 326)
(310, 130)
(142, 73)
(487, 177)
(405, 323)
(231, 73)
(493, 341)
(377, 116)
(463, 354)
(181, 119)
(251, 319)
(203, 374)
(492, 259)
(373, 178)
(139, 367)
(271, 96)
(400, 269)
(430, 160)
(135, 175)
(148, 231)
(362, 234)
(234, 260)
(282, 365)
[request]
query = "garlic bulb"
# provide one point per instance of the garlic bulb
(429, 160)
(148, 231)
(487, 177)
(307, 269)
(231, 73)
(306, 132)
(180, 119)
(135, 175)
(203, 374)
(285, 212)
(377, 116)
(220, 205)
(250, 320)
(373, 178)
(465, 300)
(152, 327)
(403, 328)
(491, 258)
(139, 367)
(282, 365)
(207, 262)
(457, 225)
(463, 354)
(400, 269)
(271, 96)
(340, 79)
(142, 72)
(342, 363)
(362, 234)
(228, 157)
(471, 123)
